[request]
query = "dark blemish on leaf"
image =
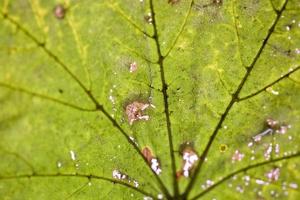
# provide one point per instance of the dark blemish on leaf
(184, 146)
(41, 44)
(217, 2)
(147, 154)
(4, 14)
(250, 7)
(59, 11)
(213, 3)
(60, 91)
(223, 148)
(288, 53)
(173, 2)
(189, 157)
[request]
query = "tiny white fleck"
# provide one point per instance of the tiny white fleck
(133, 67)
(250, 144)
(73, 155)
(237, 156)
(160, 196)
(261, 182)
(277, 148)
(59, 164)
(136, 184)
(239, 189)
(293, 185)
(271, 90)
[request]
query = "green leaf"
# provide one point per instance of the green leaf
(149, 99)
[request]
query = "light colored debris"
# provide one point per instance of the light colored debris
(273, 174)
(237, 156)
(134, 111)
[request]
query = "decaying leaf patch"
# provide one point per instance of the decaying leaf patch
(135, 111)
(152, 161)
(189, 157)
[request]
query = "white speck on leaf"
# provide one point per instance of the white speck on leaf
(237, 156)
(271, 90)
(155, 166)
(73, 155)
(268, 151)
(293, 185)
(261, 182)
(160, 196)
(273, 174)
(133, 67)
(59, 164)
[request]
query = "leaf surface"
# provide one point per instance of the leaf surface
(207, 76)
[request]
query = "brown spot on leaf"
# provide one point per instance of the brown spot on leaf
(59, 11)
(213, 3)
(147, 154)
(217, 2)
(172, 2)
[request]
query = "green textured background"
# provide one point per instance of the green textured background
(196, 60)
